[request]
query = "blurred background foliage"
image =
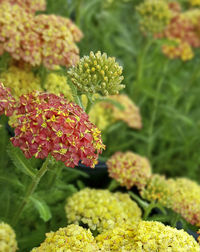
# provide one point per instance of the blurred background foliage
(167, 91)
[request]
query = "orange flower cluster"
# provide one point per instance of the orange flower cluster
(183, 32)
(129, 169)
(29, 5)
(41, 39)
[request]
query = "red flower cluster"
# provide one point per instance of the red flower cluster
(48, 124)
(46, 39)
(7, 101)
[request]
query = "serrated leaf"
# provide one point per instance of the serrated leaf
(20, 161)
(42, 208)
(10, 180)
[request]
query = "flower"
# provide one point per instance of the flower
(41, 39)
(29, 5)
(146, 236)
(157, 189)
(105, 113)
(101, 210)
(57, 84)
(178, 50)
(7, 101)
(97, 73)
(129, 169)
(155, 15)
(194, 2)
(48, 124)
(20, 80)
(7, 238)
(186, 199)
(71, 238)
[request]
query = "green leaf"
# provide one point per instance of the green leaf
(77, 172)
(20, 161)
(42, 208)
(10, 179)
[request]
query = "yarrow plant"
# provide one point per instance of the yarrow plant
(146, 236)
(71, 238)
(8, 241)
(129, 169)
(97, 73)
(101, 210)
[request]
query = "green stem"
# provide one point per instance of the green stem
(113, 185)
(140, 202)
(155, 108)
(151, 206)
(89, 104)
(30, 190)
(78, 12)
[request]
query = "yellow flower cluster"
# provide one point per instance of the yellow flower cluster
(7, 238)
(57, 84)
(69, 239)
(155, 15)
(101, 210)
(97, 73)
(129, 169)
(104, 113)
(157, 189)
(181, 194)
(20, 80)
(145, 237)
(179, 49)
(194, 2)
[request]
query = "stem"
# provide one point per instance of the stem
(78, 11)
(113, 185)
(140, 202)
(151, 206)
(89, 104)
(30, 190)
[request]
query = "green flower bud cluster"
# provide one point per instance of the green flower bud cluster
(155, 15)
(97, 73)
(7, 238)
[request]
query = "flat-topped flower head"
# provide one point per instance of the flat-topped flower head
(101, 210)
(186, 199)
(29, 5)
(157, 189)
(97, 73)
(8, 241)
(72, 238)
(155, 15)
(49, 124)
(129, 169)
(146, 236)
(20, 80)
(41, 39)
(105, 113)
(7, 101)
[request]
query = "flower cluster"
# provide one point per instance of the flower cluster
(97, 73)
(155, 15)
(29, 5)
(20, 80)
(104, 113)
(46, 39)
(57, 84)
(72, 238)
(101, 210)
(146, 236)
(186, 199)
(129, 169)
(7, 101)
(157, 189)
(48, 124)
(194, 2)
(181, 194)
(7, 238)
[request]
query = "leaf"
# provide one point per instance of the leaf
(8, 178)
(42, 208)
(76, 172)
(20, 161)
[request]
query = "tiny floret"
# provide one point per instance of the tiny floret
(8, 241)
